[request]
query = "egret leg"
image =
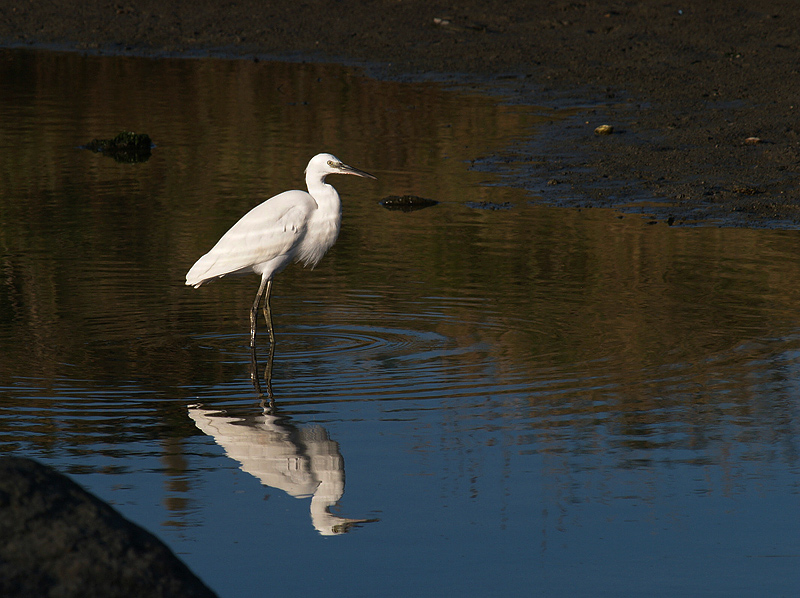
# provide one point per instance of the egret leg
(263, 291)
(266, 283)
(254, 374)
(254, 378)
(268, 375)
(268, 315)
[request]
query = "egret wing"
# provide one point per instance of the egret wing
(269, 232)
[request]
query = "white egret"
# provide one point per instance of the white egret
(293, 225)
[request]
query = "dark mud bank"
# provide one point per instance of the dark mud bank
(703, 97)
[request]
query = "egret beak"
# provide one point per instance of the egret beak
(345, 169)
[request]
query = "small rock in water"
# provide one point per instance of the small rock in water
(604, 130)
(752, 140)
(406, 203)
(126, 147)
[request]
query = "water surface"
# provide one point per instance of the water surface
(520, 400)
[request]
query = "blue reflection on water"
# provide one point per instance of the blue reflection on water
(521, 401)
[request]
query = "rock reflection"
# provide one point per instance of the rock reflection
(300, 460)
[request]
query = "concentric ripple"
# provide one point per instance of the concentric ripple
(312, 342)
(417, 359)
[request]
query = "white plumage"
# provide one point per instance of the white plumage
(292, 226)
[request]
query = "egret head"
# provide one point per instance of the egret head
(322, 165)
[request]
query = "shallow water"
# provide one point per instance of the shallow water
(521, 400)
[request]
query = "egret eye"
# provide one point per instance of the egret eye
(331, 163)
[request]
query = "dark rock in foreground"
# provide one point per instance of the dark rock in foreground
(56, 539)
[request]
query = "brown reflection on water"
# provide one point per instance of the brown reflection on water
(612, 314)
(91, 248)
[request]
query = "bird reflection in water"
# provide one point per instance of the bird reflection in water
(300, 460)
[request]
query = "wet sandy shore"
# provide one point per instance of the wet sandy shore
(703, 96)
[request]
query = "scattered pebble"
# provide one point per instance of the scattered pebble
(752, 140)
(746, 190)
(604, 130)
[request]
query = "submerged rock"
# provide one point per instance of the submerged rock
(406, 203)
(59, 540)
(126, 147)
